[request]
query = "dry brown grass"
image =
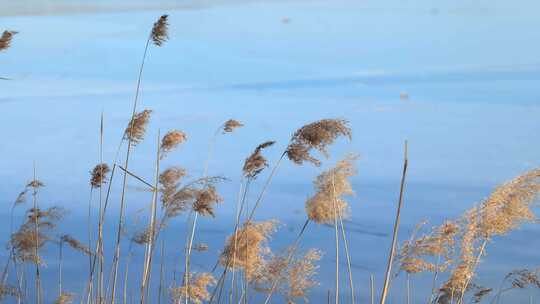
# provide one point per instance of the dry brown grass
(5, 39)
(197, 291)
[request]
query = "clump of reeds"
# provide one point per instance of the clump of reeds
(34, 233)
(137, 127)
(230, 125)
(160, 29)
(5, 39)
(317, 135)
(99, 175)
(256, 162)
(505, 209)
(331, 185)
(197, 291)
(64, 298)
(245, 249)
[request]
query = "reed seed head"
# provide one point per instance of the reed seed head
(171, 140)
(256, 162)
(64, 298)
(99, 175)
(197, 291)
(137, 127)
(246, 248)
(35, 184)
(331, 185)
(160, 31)
(5, 39)
(205, 200)
(317, 135)
(230, 125)
(76, 244)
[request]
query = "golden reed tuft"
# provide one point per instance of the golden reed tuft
(171, 140)
(64, 298)
(76, 244)
(5, 39)
(99, 175)
(205, 200)
(246, 249)
(137, 127)
(294, 276)
(508, 206)
(317, 135)
(255, 163)
(197, 291)
(230, 125)
(160, 31)
(331, 185)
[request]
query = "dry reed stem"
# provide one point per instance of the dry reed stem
(386, 285)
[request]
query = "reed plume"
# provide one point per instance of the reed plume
(331, 185)
(245, 249)
(295, 276)
(159, 34)
(99, 175)
(76, 244)
(205, 200)
(5, 39)
(230, 125)
(508, 206)
(64, 298)
(440, 242)
(197, 291)
(137, 127)
(171, 140)
(317, 135)
(256, 162)
(29, 239)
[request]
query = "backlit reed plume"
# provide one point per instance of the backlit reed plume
(250, 244)
(137, 127)
(25, 240)
(505, 209)
(76, 244)
(142, 237)
(197, 291)
(230, 125)
(331, 185)
(5, 39)
(295, 277)
(160, 31)
(317, 135)
(205, 200)
(256, 162)
(99, 175)
(64, 298)
(170, 141)
(418, 254)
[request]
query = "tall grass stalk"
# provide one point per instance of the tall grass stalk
(126, 166)
(153, 213)
(36, 232)
(386, 285)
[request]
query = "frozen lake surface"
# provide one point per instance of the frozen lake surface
(470, 71)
